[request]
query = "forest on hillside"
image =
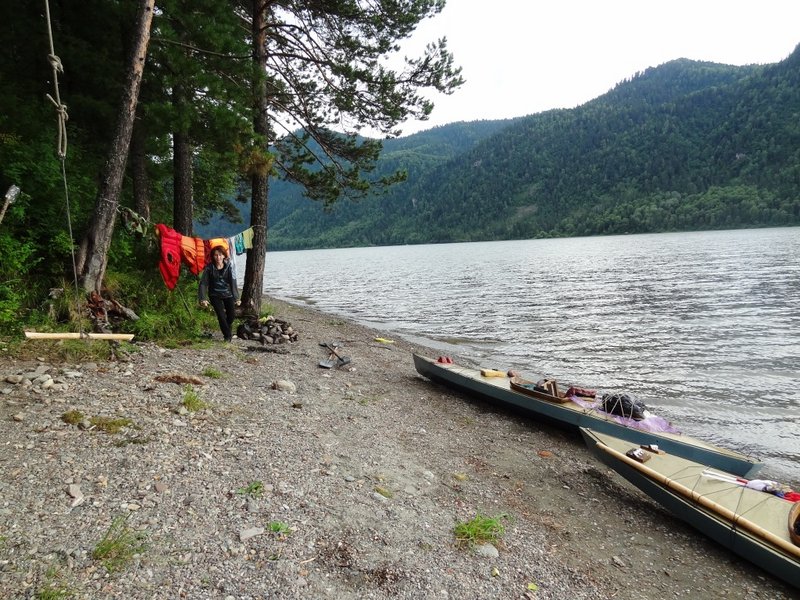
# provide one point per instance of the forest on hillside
(683, 146)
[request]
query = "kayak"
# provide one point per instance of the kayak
(750, 518)
(489, 385)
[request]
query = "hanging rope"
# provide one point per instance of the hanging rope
(61, 148)
(61, 108)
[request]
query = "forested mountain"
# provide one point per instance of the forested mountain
(684, 146)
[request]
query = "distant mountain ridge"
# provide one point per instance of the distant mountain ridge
(687, 145)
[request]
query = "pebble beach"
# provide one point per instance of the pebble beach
(242, 471)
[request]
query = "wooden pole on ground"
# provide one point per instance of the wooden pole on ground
(34, 335)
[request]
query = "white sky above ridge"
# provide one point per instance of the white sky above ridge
(521, 57)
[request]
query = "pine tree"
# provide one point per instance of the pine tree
(326, 77)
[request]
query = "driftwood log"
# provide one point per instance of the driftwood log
(106, 314)
(267, 330)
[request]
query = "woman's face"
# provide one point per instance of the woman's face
(218, 256)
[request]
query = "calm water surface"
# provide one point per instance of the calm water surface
(703, 327)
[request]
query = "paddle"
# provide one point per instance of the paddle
(736, 519)
(340, 360)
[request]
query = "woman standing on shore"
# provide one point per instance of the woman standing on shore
(218, 285)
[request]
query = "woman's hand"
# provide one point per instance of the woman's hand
(204, 303)
(238, 303)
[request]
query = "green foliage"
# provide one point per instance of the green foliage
(278, 528)
(119, 545)
(71, 351)
(212, 373)
(192, 401)
(172, 317)
(480, 529)
(111, 425)
(54, 591)
(73, 417)
(254, 489)
(17, 264)
(54, 587)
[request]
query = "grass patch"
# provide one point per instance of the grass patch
(110, 425)
(53, 589)
(212, 373)
(119, 545)
(73, 417)
(191, 400)
(72, 351)
(480, 530)
(254, 489)
(279, 528)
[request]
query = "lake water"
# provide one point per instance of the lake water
(703, 327)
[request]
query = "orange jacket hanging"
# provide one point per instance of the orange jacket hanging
(194, 253)
(170, 263)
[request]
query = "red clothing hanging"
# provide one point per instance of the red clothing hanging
(170, 263)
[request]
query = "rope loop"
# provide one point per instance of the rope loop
(55, 62)
(63, 117)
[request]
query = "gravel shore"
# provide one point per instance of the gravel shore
(241, 472)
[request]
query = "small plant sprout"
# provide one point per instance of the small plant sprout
(254, 489)
(119, 545)
(278, 528)
(54, 588)
(191, 400)
(480, 530)
(212, 373)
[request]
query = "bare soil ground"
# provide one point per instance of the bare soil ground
(346, 484)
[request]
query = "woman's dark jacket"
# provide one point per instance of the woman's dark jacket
(217, 282)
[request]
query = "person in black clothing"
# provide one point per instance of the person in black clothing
(218, 286)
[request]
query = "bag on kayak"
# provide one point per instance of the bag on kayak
(624, 405)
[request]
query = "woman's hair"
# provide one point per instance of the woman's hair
(219, 250)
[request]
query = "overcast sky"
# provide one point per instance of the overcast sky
(521, 57)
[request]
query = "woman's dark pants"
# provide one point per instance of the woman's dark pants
(224, 307)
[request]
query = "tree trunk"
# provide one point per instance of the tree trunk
(253, 288)
(182, 212)
(141, 181)
(92, 255)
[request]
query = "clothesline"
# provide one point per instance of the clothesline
(196, 252)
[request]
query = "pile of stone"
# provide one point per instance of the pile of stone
(267, 330)
(39, 380)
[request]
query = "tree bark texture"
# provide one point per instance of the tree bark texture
(182, 210)
(253, 287)
(139, 176)
(92, 255)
